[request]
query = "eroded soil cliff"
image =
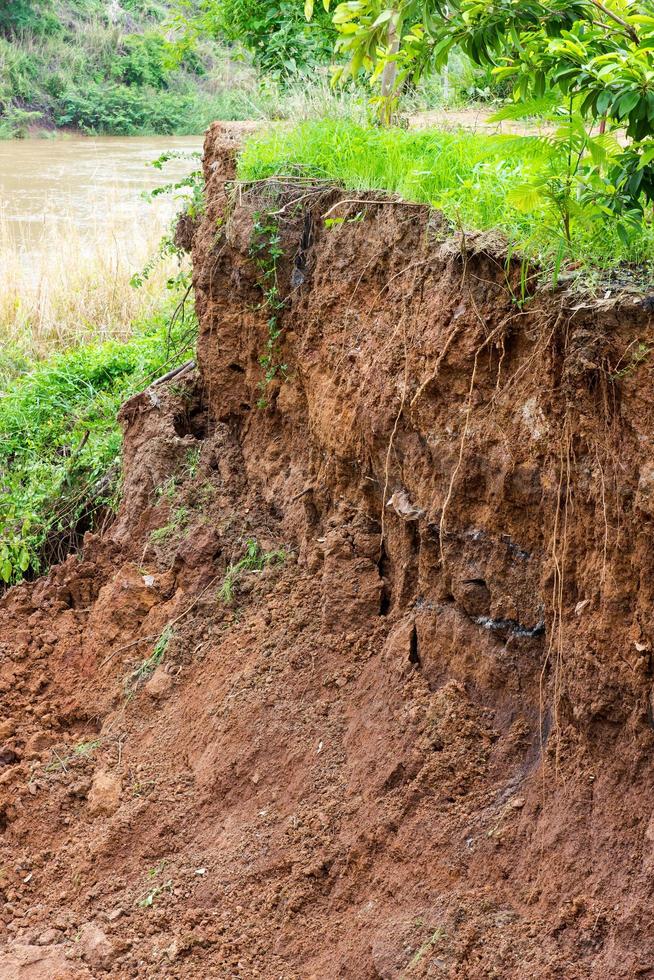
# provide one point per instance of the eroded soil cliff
(421, 744)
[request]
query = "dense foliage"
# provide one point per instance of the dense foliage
(107, 69)
(581, 48)
(276, 33)
(26, 15)
(123, 110)
(589, 61)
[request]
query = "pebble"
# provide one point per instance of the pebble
(159, 684)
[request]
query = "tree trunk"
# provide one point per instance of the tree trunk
(389, 74)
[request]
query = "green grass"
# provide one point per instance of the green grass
(254, 560)
(147, 667)
(472, 178)
(59, 437)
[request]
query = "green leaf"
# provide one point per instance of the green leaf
(626, 104)
(383, 18)
(646, 157)
(525, 197)
(623, 234)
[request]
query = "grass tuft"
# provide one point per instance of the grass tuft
(147, 667)
(254, 560)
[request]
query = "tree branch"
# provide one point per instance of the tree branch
(618, 20)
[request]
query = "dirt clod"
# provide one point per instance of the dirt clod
(104, 795)
(159, 685)
(95, 948)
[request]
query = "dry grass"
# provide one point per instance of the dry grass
(72, 285)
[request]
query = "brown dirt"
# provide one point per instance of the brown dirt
(418, 757)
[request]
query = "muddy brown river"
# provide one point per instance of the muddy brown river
(86, 183)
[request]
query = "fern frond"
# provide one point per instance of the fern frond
(534, 146)
(525, 197)
(513, 111)
(602, 147)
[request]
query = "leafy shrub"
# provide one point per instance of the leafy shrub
(145, 8)
(191, 61)
(30, 15)
(123, 110)
(16, 122)
(276, 32)
(144, 60)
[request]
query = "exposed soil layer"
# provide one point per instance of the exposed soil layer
(421, 744)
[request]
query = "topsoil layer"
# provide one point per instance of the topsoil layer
(420, 743)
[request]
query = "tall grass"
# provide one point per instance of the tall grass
(72, 286)
(76, 340)
(472, 178)
(301, 99)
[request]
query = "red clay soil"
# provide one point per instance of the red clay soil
(420, 745)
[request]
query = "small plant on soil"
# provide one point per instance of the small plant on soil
(191, 186)
(147, 667)
(140, 787)
(266, 249)
(151, 895)
(176, 524)
(254, 560)
(192, 462)
(167, 488)
(61, 763)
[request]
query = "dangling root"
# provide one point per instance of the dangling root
(466, 426)
(439, 360)
(391, 440)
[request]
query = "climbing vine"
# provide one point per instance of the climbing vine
(266, 250)
(188, 191)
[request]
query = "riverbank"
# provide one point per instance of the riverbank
(357, 682)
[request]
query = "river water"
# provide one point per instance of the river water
(75, 230)
(85, 183)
